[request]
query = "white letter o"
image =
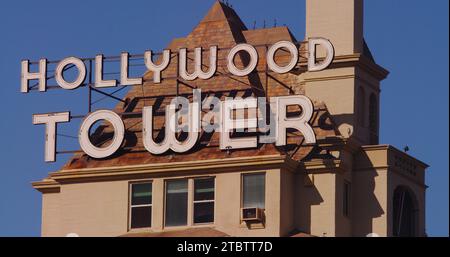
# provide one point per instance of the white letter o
(60, 69)
(250, 67)
(271, 57)
(119, 132)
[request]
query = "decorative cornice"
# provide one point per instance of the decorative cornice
(121, 172)
(392, 148)
(340, 77)
(322, 166)
(390, 168)
(46, 186)
(352, 60)
(55, 179)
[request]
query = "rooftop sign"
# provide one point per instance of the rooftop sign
(230, 113)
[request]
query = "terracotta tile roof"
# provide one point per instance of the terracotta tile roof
(190, 232)
(221, 27)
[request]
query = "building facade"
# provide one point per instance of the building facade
(346, 184)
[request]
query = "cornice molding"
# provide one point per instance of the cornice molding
(352, 60)
(121, 172)
(55, 179)
(322, 166)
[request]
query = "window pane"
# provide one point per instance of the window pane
(204, 212)
(176, 202)
(204, 189)
(141, 193)
(254, 190)
(141, 217)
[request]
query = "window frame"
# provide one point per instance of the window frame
(203, 201)
(373, 113)
(361, 107)
(404, 198)
(131, 206)
(165, 202)
(242, 186)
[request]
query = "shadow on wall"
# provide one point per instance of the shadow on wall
(343, 122)
(307, 197)
(366, 206)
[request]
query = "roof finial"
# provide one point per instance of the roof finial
(406, 148)
(254, 24)
(264, 25)
(275, 23)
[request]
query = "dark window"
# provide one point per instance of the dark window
(204, 200)
(346, 199)
(254, 190)
(141, 205)
(373, 119)
(404, 213)
(176, 202)
(361, 107)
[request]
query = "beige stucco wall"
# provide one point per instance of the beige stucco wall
(337, 20)
(88, 209)
(369, 202)
(335, 88)
(315, 204)
(370, 196)
(375, 178)
(343, 223)
(101, 208)
(51, 213)
(287, 202)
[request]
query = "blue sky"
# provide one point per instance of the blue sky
(407, 37)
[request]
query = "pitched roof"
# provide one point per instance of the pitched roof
(222, 27)
(220, 12)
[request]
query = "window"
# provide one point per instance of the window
(204, 200)
(346, 199)
(361, 107)
(253, 188)
(373, 113)
(141, 205)
(405, 212)
(373, 119)
(176, 202)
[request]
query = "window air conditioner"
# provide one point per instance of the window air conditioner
(251, 214)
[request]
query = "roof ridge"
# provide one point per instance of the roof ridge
(220, 11)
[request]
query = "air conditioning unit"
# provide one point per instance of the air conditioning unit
(251, 214)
